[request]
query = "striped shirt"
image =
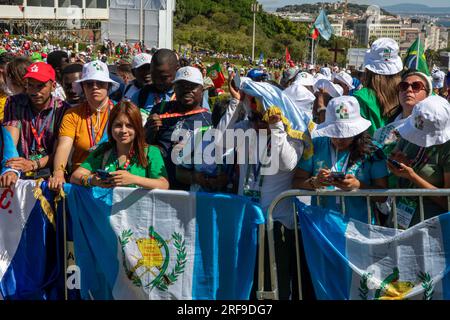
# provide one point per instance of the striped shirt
(19, 114)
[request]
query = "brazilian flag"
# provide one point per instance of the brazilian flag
(415, 58)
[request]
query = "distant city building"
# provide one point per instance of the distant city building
(407, 36)
(338, 28)
(367, 32)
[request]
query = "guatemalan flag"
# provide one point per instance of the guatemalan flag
(28, 249)
(141, 244)
(349, 259)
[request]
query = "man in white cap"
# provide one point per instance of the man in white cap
(162, 70)
(140, 68)
(178, 115)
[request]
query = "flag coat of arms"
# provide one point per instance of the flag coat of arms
(216, 75)
(141, 244)
(351, 260)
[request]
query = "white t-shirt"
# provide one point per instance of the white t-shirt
(290, 152)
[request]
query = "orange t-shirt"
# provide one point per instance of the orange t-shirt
(77, 124)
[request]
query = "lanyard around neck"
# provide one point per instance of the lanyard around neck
(334, 160)
(91, 131)
(38, 133)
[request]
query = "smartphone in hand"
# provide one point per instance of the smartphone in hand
(395, 163)
(338, 176)
(103, 174)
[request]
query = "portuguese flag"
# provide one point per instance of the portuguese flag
(216, 75)
(313, 32)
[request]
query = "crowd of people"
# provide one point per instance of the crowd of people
(99, 125)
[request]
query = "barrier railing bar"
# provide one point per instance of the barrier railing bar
(394, 211)
(262, 232)
(422, 216)
(369, 211)
(356, 193)
(272, 260)
(343, 205)
(297, 252)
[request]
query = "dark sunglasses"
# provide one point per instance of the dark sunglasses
(416, 86)
(99, 84)
(188, 86)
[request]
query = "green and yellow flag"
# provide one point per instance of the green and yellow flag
(415, 58)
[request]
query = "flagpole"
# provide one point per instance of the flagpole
(312, 50)
(418, 53)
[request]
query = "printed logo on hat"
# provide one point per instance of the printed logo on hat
(342, 112)
(419, 122)
(97, 66)
(186, 73)
(387, 54)
(34, 69)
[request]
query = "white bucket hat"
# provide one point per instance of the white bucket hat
(334, 90)
(438, 79)
(343, 119)
(189, 74)
(95, 70)
(382, 57)
(345, 78)
(326, 72)
(305, 79)
(429, 123)
(302, 97)
(141, 59)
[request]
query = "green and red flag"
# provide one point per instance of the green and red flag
(216, 75)
(313, 32)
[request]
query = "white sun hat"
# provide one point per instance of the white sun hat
(305, 79)
(189, 74)
(438, 79)
(334, 90)
(326, 72)
(302, 97)
(95, 70)
(429, 123)
(141, 59)
(343, 119)
(345, 78)
(382, 57)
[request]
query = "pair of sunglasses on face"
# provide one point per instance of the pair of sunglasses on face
(416, 86)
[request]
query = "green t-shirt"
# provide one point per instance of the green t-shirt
(430, 164)
(104, 158)
(370, 109)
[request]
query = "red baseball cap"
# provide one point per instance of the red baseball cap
(40, 71)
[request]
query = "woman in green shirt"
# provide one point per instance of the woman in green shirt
(422, 158)
(379, 97)
(125, 160)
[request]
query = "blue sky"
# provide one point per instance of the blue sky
(430, 3)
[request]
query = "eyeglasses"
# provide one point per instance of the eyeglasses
(188, 86)
(416, 86)
(99, 84)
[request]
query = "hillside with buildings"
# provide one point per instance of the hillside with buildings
(332, 8)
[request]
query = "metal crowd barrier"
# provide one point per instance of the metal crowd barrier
(368, 193)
